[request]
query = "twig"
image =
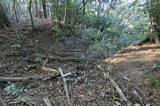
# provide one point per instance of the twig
(44, 63)
(64, 54)
(137, 95)
(1, 102)
(134, 91)
(65, 86)
(15, 79)
(1, 35)
(115, 85)
(42, 68)
(65, 59)
(47, 102)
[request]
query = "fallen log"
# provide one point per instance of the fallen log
(16, 79)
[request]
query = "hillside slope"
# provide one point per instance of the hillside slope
(136, 68)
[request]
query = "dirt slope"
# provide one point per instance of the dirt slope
(130, 68)
(134, 65)
(135, 60)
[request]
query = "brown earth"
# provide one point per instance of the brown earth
(134, 66)
(130, 69)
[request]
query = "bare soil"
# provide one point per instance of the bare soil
(133, 67)
(130, 69)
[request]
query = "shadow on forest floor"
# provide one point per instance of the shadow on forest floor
(19, 50)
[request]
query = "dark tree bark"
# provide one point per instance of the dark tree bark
(14, 9)
(67, 14)
(44, 8)
(36, 8)
(84, 7)
(4, 21)
(30, 13)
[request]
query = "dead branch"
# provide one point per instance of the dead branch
(3, 36)
(65, 86)
(47, 102)
(65, 59)
(2, 102)
(36, 66)
(134, 91)
(48, 69)
(64, 54)
(15, 79)
(56, 58)
(138, 96)
(119, 91)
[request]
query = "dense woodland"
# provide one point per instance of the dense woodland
(79, 52)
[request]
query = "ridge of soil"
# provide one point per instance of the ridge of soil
(129, 68)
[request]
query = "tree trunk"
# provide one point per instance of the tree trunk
(44, 8)
(4, 21)
(154, 12)
(30, 13)
(65, 12)
(84, 7)
(14, 9)
(36, 8)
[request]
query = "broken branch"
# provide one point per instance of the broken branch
(47, 102)
(42, 68)
(56, 58)
(119, 91)
(15, 79)
(65, 86)
(1, 102)
(64, 59)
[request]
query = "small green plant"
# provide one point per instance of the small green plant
(156, 65)
(17, 46)
(39, 59)
(18, 93)
(153, 81)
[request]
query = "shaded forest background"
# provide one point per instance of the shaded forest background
(108, 24)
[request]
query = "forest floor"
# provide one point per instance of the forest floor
(134, 69)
